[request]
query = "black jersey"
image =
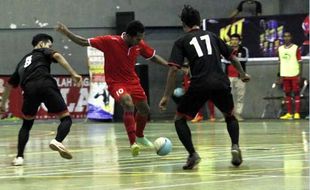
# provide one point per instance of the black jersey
(33, 66)
(203, 50)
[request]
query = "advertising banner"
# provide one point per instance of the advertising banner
(75, 98)
(263, 35)
(100, 103)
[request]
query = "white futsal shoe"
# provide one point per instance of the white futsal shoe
(58, 146)
(18, 161)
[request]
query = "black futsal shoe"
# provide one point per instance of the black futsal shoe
(192, 161)
(236, 155)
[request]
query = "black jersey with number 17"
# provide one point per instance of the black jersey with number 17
(33, 66)
(203, 50)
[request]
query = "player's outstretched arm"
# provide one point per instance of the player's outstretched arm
(236, 63)
(170, 84)
(159, 60)
(63, 29)
(64, 63)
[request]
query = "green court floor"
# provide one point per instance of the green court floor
(276, 157)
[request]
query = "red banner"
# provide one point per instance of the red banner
(75, 98)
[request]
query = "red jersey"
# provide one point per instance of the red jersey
(120, 59)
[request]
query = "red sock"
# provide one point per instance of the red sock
(288, 102)
(297, 104)
(141, 123)
(211, 109)
(130, 125)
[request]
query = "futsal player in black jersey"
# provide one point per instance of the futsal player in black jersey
(33, 75)
(203, 51)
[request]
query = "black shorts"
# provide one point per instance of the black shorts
(194, 99)
(42, 91)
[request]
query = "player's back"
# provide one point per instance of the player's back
(35, 65)
(203, 50)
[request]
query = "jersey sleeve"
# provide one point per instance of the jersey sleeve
(177, 56)
(49, 53)
(99, 42)
(14, 79)
(146, 51)
(225, 50)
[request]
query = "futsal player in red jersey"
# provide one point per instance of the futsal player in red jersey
(120, 54)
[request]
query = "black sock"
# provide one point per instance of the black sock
(233, 129)
(185, 135)
(23, 136)
(63, 128)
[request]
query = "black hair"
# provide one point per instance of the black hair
(134, 27)
(190, 16)
(235, 35)
(41, 37)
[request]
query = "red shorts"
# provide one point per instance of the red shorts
(134, 90)
(291, 84)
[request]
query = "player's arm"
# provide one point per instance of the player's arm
(170, 85)
(63, 29)
(64, 63)
(5, 96)
(176, 61)
(159, 60)
(236, 63)
(299, 61)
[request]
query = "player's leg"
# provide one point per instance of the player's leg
(29, 109)
(287, 88)
(211, 110)
(56, 105)
(121, 95)
(240, 91)
(187, 109)
(296, 90)
(143, 111)
(224, 101)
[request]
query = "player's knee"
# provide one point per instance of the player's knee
(127, 103)
(229, 117)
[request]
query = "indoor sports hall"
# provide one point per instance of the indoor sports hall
(118, 124)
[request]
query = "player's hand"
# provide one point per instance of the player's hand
(163, 103)
(77, 79)
(60, 27)
(245, 77)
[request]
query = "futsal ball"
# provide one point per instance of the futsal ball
(178, 92)
(162, 146)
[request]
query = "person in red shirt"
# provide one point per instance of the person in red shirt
(121, 53)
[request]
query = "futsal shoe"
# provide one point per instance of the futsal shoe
(18, 161)
(197, 118)
(135, 149)
(287, 116)
(58, 146)
(144, 142)
(296, 116)
(192, 161)
(236, 155)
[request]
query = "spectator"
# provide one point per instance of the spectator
(238, 87)
(246, 7)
